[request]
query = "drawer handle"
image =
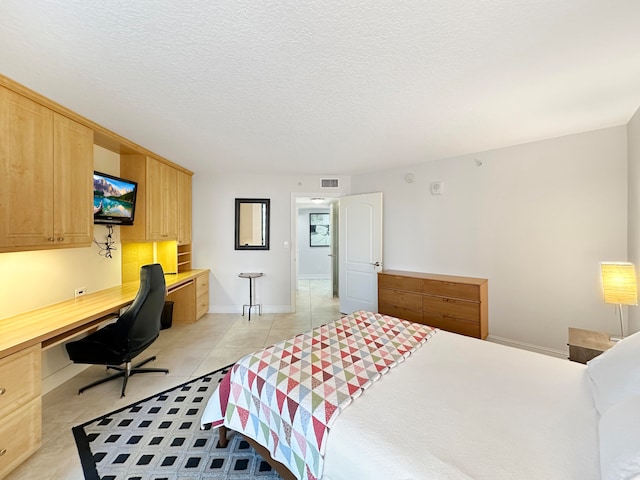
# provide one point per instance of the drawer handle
(3, 451)
(2, 391)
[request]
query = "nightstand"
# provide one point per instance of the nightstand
(587, 344)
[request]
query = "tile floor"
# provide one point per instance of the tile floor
(188, 351)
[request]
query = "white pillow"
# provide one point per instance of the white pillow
(615, 375)
(619, 432)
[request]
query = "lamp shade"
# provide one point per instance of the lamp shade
(619, 283)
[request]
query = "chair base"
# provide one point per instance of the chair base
(125, 372)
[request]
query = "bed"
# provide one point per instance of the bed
(454, 407)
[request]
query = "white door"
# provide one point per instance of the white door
(360, 251)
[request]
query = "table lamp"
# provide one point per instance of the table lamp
(619, 286)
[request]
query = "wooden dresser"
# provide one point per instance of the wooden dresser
(455, 304)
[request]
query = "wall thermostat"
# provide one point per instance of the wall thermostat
(436, 188)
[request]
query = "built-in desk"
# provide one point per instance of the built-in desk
(22, 338)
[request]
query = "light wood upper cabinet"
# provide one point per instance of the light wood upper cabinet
(168, 203)
(46, 161)
(73, 185)
(184, 208)
(156, 217)
(162, 201)
(26, 196)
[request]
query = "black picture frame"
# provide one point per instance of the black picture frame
(263, 205)
(319, 234)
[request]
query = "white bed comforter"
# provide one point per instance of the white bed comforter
(461, 408)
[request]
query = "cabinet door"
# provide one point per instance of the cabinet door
(162, 201)
(169, 202)
(134, 167)
(154, 199)
(184, 208)
(73, 192)
(26, 170)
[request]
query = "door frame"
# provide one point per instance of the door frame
(293, 274)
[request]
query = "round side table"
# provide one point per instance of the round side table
(252, 278)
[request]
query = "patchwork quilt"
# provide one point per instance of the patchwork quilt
(287, 396)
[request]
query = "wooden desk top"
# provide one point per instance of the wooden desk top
(36, 326)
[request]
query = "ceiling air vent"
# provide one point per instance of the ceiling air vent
(329, 183)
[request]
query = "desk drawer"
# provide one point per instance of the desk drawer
(202, 305)
(20, 435)
(19, 379)
(202, 284)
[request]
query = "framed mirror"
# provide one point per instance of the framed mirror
(252, 224)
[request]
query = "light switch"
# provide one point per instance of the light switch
(286, 244)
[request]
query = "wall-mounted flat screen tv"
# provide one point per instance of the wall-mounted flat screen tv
(114, 199)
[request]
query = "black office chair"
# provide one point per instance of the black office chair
(137, 328)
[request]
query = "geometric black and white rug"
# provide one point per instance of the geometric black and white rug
(159, 438)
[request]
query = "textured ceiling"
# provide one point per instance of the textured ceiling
(328, 87)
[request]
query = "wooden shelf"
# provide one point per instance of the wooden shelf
(184, 257)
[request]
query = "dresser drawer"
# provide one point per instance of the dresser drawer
(20, 435)
(453, 324)
(400, 298)
(451, 289)
(452, 307)
(19, 379)
(400, 283)
(400, 312)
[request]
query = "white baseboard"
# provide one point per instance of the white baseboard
(64, 374)
(528, 346)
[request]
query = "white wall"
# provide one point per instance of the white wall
(535, 219)
(313, 262)
(213, 237)
(633, 152)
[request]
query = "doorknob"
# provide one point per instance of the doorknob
(377, 264)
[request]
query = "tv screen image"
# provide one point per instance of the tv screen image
(114, 199)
